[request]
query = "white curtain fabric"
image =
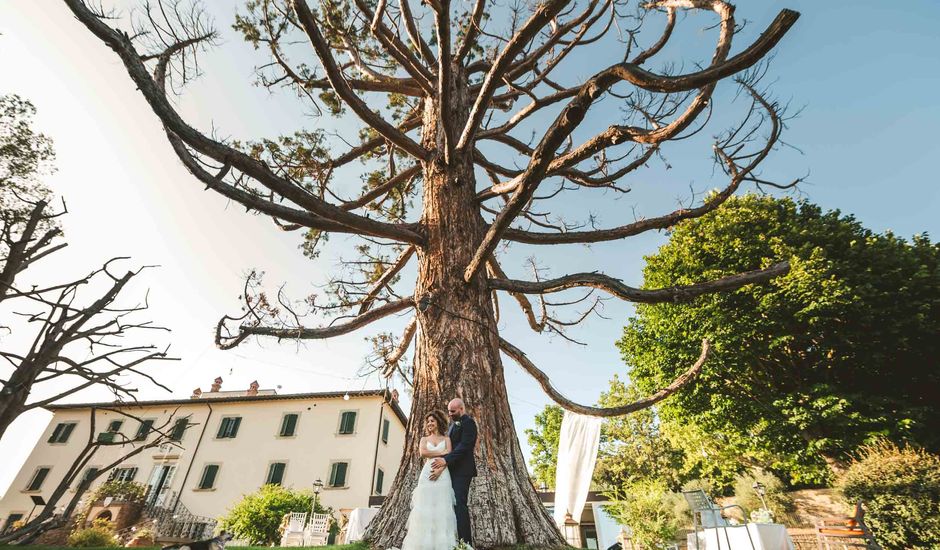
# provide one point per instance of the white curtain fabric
(608, 528)
(578, 443)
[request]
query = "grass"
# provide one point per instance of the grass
(357, 546)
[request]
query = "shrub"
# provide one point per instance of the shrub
(779, 502)
(101, 533)
(900, 488)
(257, 517)
(648, 508)
(129, 491)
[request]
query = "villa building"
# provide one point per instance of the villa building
(226, 444)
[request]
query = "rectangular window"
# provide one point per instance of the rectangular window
(276, 473)
(36, 483)
(144, 430)
(115, 426)
(338, 474)
(385, 426)
(11, 519)
(209, 473)
(228, 429)
(89, 473)
(347, 422)
(379, 481)
(289, 425)
(179, 429)
(62, 432)
(123, 474)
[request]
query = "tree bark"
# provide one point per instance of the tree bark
(457, 355)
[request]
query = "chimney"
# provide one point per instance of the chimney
(196, 393)
(253, 388)
(217, 385)
(395, 396)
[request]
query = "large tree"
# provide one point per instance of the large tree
(76, 330)
(447, 95)
(840, 351)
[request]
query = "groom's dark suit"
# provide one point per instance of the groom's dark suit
(463, 468)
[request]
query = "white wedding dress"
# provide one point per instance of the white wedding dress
(432, 524)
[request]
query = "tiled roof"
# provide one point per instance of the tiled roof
(387, 395)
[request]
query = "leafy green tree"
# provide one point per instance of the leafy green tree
(900, 487)
(651, 511)
(841, 350)
(257, 517)
(543, 440)
(633, 447)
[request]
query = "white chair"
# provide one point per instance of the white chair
(707, 515)
(294, 534)
(318, 530)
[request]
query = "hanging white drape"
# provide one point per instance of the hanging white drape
(578, 443)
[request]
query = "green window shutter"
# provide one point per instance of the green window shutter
(276, 473)
(37, 480)
(209, 473)
(144, 430)
(223, 428)
(64, 437)
(179, 428)
(338, 474)
(54, 438)
(288, 425)
(236, 422)
(347, 423)
(379, 481)
(385, 426)
(115, 426)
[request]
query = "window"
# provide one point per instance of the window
(379, 481)
(347, 422)
(89, 473)
(11, 519)
(179, 428)
(385, 426)
(209, 473)
(289, 425)
(36, 483)
(276, 473)
(123, 474)
(144, 430)
(115, 426)
(228, 429)
(338, 472)
(62, 432)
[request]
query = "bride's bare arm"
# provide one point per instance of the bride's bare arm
(423, 449)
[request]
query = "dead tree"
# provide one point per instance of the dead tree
(447, 94)
(48, 518)
(78, 341)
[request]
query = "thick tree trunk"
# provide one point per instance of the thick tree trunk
(457, 355)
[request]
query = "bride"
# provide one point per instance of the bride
(432, 524)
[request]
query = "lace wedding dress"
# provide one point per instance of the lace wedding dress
(432, 524)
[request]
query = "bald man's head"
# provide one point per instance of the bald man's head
(456, 408)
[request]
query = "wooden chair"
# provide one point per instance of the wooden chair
(844, 533)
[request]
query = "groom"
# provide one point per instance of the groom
(463, 468)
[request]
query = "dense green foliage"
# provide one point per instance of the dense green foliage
(778, 500)
(634, 447)
(543, 440)
(257, 517)
(650, 509)
(130, 491)
(100, 533)
(900, 488)
(840, 351)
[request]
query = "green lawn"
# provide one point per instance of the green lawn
(340, 547)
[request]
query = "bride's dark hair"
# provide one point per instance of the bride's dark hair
(438, 417)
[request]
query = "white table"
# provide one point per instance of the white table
(359, 519)
(765, 536)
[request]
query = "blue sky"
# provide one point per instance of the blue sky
(866, 74)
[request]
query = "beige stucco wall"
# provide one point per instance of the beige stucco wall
(243, 460)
